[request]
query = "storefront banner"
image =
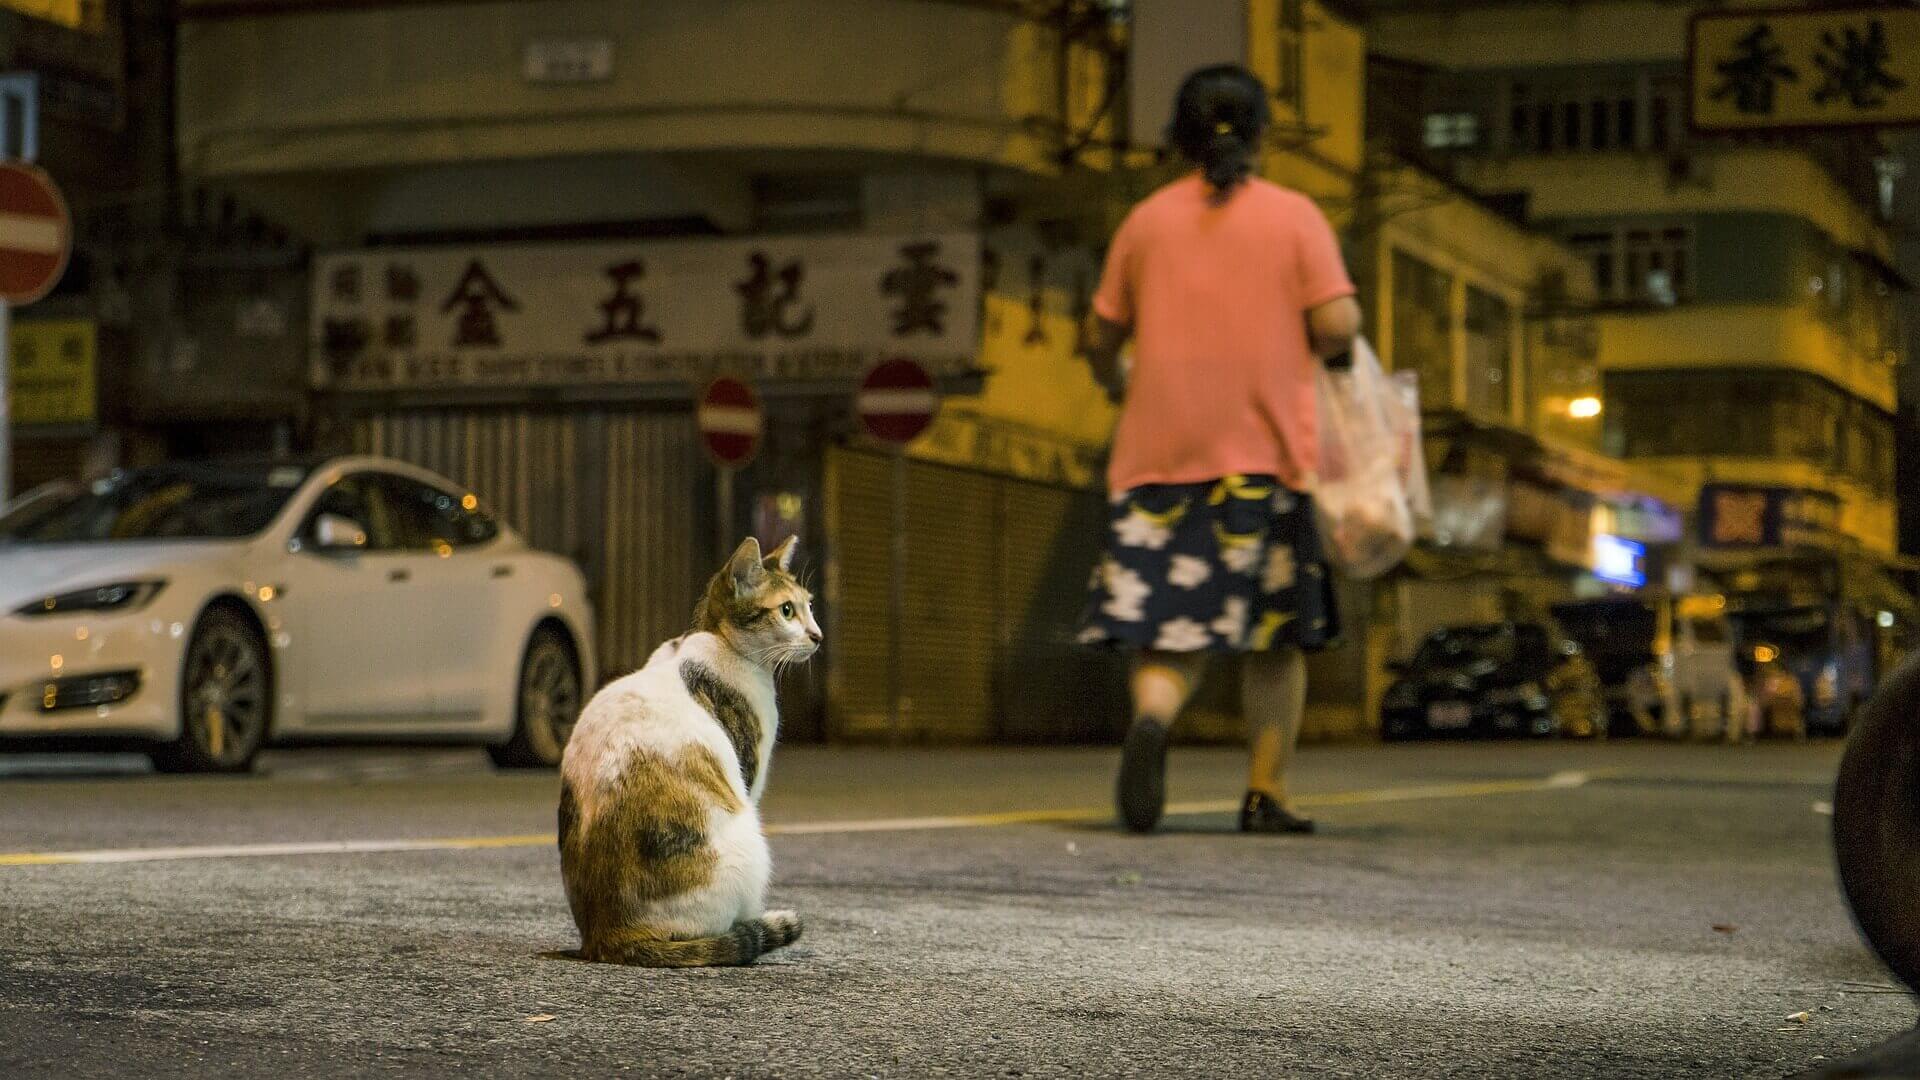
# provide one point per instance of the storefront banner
(53, 371)
(641, 311)
(1737, 515)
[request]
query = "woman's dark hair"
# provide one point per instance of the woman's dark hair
(1218, 119)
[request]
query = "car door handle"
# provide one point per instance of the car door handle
(503, 570)
(399, 575)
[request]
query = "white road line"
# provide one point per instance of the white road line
(1560, 781)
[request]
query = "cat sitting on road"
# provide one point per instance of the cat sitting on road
(660, 842)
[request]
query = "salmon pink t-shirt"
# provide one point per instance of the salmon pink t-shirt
(1216, 297)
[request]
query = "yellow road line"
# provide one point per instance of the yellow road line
(1471, 790)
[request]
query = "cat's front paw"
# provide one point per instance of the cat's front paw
(783, 928)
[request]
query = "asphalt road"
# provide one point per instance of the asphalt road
(1488, 911)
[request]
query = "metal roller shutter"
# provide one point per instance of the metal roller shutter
(996, 575)
(612, 490)
(1049, 687)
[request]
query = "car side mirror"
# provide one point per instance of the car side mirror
(332, 532)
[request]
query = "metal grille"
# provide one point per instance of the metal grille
(995, 579)
(611, 490)
(649, 534)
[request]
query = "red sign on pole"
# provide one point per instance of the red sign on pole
(896, 401)
(36, 233)
(731, 421)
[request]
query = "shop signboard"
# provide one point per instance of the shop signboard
(645, 311)
(1751, 516)
(1782, 69)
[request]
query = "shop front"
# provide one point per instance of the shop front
(558, 381)
(1802, 596)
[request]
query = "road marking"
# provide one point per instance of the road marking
(1560, 781)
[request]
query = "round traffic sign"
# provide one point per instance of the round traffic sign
(896, 400)
(730, 420)
(36, 233)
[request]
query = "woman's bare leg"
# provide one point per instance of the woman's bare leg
(1273, 694)
(1161, 684)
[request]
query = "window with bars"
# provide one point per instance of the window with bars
(1489, 359)
(1787, 415)
(1547, 119)
(1639, 263)
(1422, 327)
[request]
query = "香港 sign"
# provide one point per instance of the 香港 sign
(1829, 67)
(1736, 515)
(639, 311)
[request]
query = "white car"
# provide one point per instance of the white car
(201, 611)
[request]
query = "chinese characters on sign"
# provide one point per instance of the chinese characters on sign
(644, 311)
(1814, 68)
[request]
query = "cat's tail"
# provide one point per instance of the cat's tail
(741, 945)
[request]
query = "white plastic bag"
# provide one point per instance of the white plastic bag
(1370, 461)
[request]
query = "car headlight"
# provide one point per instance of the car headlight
(119, 596)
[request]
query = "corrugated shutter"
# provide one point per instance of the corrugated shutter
(649, 536)
(612, 490)
(953, 598)
(858, 528)
(1049, 687)
(996, 575)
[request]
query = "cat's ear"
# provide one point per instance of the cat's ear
(780, 558)
(744, 569)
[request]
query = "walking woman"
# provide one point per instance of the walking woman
(1230, 287)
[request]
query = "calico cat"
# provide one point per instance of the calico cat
(660, 842)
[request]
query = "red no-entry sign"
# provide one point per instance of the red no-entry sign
(896, 400)
(731, 421)
(36, 233)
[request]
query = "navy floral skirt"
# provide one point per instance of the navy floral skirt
(1233, 565)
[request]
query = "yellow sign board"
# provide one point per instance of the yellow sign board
(1835, 67)
(52, 369)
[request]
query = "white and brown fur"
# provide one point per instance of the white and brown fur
(660, 842)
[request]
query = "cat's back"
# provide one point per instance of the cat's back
(648, 709)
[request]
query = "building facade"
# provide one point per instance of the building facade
(1744, 286)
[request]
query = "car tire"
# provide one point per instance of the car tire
(226, 697)
(546, 701)
(1876, 833)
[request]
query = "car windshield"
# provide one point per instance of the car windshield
(165, 502)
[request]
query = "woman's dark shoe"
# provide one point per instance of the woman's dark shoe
(1260, 813)
(1142, 790)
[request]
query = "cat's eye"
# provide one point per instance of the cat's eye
(786, 610)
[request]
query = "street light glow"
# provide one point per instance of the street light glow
(1584, 408)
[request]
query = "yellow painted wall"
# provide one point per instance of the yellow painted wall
(1046, 386)
(1745, 335)
(1322, 144)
